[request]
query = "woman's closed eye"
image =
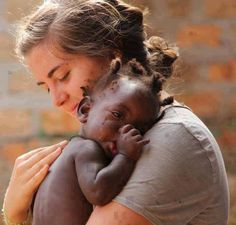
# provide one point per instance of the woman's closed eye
(45, 87)
(65, 77)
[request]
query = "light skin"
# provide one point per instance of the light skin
(29, 171)
(62, 75)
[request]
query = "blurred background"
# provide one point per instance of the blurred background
(205, 79)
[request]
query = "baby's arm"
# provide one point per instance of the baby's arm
(100, 180)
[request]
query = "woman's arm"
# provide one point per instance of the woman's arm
(29, 171)
(116, 214)
(179, 179)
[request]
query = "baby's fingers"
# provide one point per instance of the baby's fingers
(126, 128)
(134, 132)
(137, 138)
(144, 142)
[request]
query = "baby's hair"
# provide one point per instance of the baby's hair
(153, 81)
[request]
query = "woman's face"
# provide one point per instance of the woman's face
(63, 75)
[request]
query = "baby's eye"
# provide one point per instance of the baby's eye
(117, 115)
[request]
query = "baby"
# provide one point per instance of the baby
(97, 164)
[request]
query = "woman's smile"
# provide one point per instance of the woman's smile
(63, 75)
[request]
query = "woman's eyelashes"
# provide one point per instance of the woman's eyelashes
(45, 87)
(65, 77)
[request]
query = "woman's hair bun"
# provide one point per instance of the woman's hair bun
(161, 55)
(113, 2)
(115, 65)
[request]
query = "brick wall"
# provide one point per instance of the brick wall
(205, 31)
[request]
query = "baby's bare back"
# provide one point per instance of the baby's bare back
(82, 170)
(59, 200)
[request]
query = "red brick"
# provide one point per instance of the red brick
(223, 72)
(178, 8)
(189, 72)
(233, 28)
(232, 105)
(220, 8)
(20, 81)
(205, 104)
(207, 35)
(11, 151)
(232, 185)
(227, 138)
(15, 122)
(57, 122)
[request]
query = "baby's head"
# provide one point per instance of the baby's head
(126, 95)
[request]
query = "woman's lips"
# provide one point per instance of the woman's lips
(74, 110)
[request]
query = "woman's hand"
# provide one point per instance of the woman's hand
(29, 171)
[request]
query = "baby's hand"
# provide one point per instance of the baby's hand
(130, 142)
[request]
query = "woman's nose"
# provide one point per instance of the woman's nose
(58, 97)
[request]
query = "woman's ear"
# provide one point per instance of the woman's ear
(83, 109)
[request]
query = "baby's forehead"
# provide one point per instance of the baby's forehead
(126, 85)
(124, 92)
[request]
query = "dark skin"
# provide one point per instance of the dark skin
(96, 165)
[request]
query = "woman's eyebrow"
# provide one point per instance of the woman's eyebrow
(51, 72)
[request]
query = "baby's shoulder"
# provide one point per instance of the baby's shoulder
(81, 146)
(76, 141)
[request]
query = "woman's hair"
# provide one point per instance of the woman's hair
(104, 28)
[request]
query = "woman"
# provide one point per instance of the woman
(180, 178)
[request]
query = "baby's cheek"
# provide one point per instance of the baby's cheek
(107, 131)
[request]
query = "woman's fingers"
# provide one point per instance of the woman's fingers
(47, 160)
(38, 177)
(29, 171)
(33, 152)
(39, 155)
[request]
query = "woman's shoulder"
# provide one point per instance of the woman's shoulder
(179, 166)
(178, 113)
(180, 118)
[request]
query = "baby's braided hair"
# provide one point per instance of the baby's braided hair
(153, 81)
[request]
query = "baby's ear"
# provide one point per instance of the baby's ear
(83, 109)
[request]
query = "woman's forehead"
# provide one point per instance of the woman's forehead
(40, 60)
(43, 58)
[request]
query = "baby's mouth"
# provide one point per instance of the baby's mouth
(111, 148)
